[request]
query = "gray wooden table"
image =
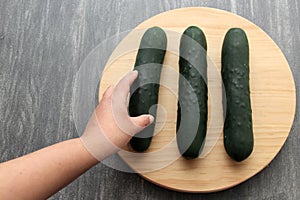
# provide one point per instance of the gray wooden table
(42, 45)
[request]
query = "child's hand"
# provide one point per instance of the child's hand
(110, 127)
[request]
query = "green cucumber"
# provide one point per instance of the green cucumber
(144, 91)
(238, 131)
(192, 93)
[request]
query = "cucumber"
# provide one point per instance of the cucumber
(192, 93)
(238, 131)
(144, 91)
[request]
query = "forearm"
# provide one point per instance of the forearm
(41, 174)
(44, 172)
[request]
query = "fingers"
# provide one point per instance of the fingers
(119, 103)
(111, 121)
(129, 125)
(120, 94)
(123, 87)
(128, 79)
(141, 122)
(108, 92)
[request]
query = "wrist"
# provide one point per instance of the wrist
(84, 153)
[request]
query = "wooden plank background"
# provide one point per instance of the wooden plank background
(42, 45)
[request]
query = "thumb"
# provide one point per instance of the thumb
(142, 122)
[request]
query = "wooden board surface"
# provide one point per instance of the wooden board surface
(272, 97)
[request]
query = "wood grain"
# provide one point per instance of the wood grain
(273, 101)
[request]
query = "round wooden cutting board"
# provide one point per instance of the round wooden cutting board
(272, 97)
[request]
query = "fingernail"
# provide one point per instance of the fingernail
(132, 73)
(151, 119)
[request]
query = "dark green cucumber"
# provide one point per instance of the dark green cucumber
(238, 131)
(192, 94)
(144, 91)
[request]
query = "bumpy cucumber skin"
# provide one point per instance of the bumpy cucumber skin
(193, 69)
(238, 131)
(148, 63)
